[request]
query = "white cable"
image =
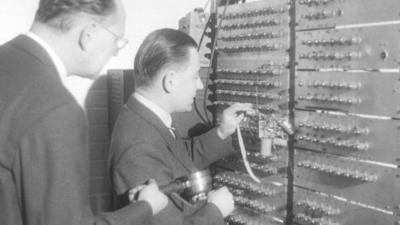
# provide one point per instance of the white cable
(205, 6)
(244, 156)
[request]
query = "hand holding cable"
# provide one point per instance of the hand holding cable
(231, 118)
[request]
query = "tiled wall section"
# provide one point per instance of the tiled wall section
(96, 105)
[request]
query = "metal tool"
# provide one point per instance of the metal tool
(192, 187)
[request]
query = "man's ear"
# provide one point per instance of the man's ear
(85, 36)
(168, 81)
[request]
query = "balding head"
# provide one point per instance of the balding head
(91, 32)
(62, 14)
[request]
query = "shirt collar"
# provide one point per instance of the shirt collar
(161, 113)
(60, 67)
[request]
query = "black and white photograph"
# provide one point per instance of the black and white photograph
(200, 112)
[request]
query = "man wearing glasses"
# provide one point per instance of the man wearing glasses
(120, 40)
(44, 155)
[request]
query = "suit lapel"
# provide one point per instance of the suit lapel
(175, 146)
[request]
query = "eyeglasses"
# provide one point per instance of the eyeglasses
(120, 42)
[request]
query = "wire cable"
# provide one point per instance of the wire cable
(196, 107)
(244, 156)
(205, 28)
(205, 6)
(211, 61)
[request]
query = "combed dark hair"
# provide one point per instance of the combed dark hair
(161, 48)
(57, 12)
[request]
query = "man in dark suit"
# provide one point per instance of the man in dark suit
(144, 144)
(44, 155)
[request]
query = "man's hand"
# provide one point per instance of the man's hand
(223, 199)
(231, 118)
(151, 194)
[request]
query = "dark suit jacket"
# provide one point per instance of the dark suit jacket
(143, 148)
(44, 155)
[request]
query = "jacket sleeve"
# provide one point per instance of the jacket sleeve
(209, 148)
(53, 170)
(138, 163)
(142, 161)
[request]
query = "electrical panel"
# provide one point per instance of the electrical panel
(251, 66)
(347, 109)
(329, 69)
